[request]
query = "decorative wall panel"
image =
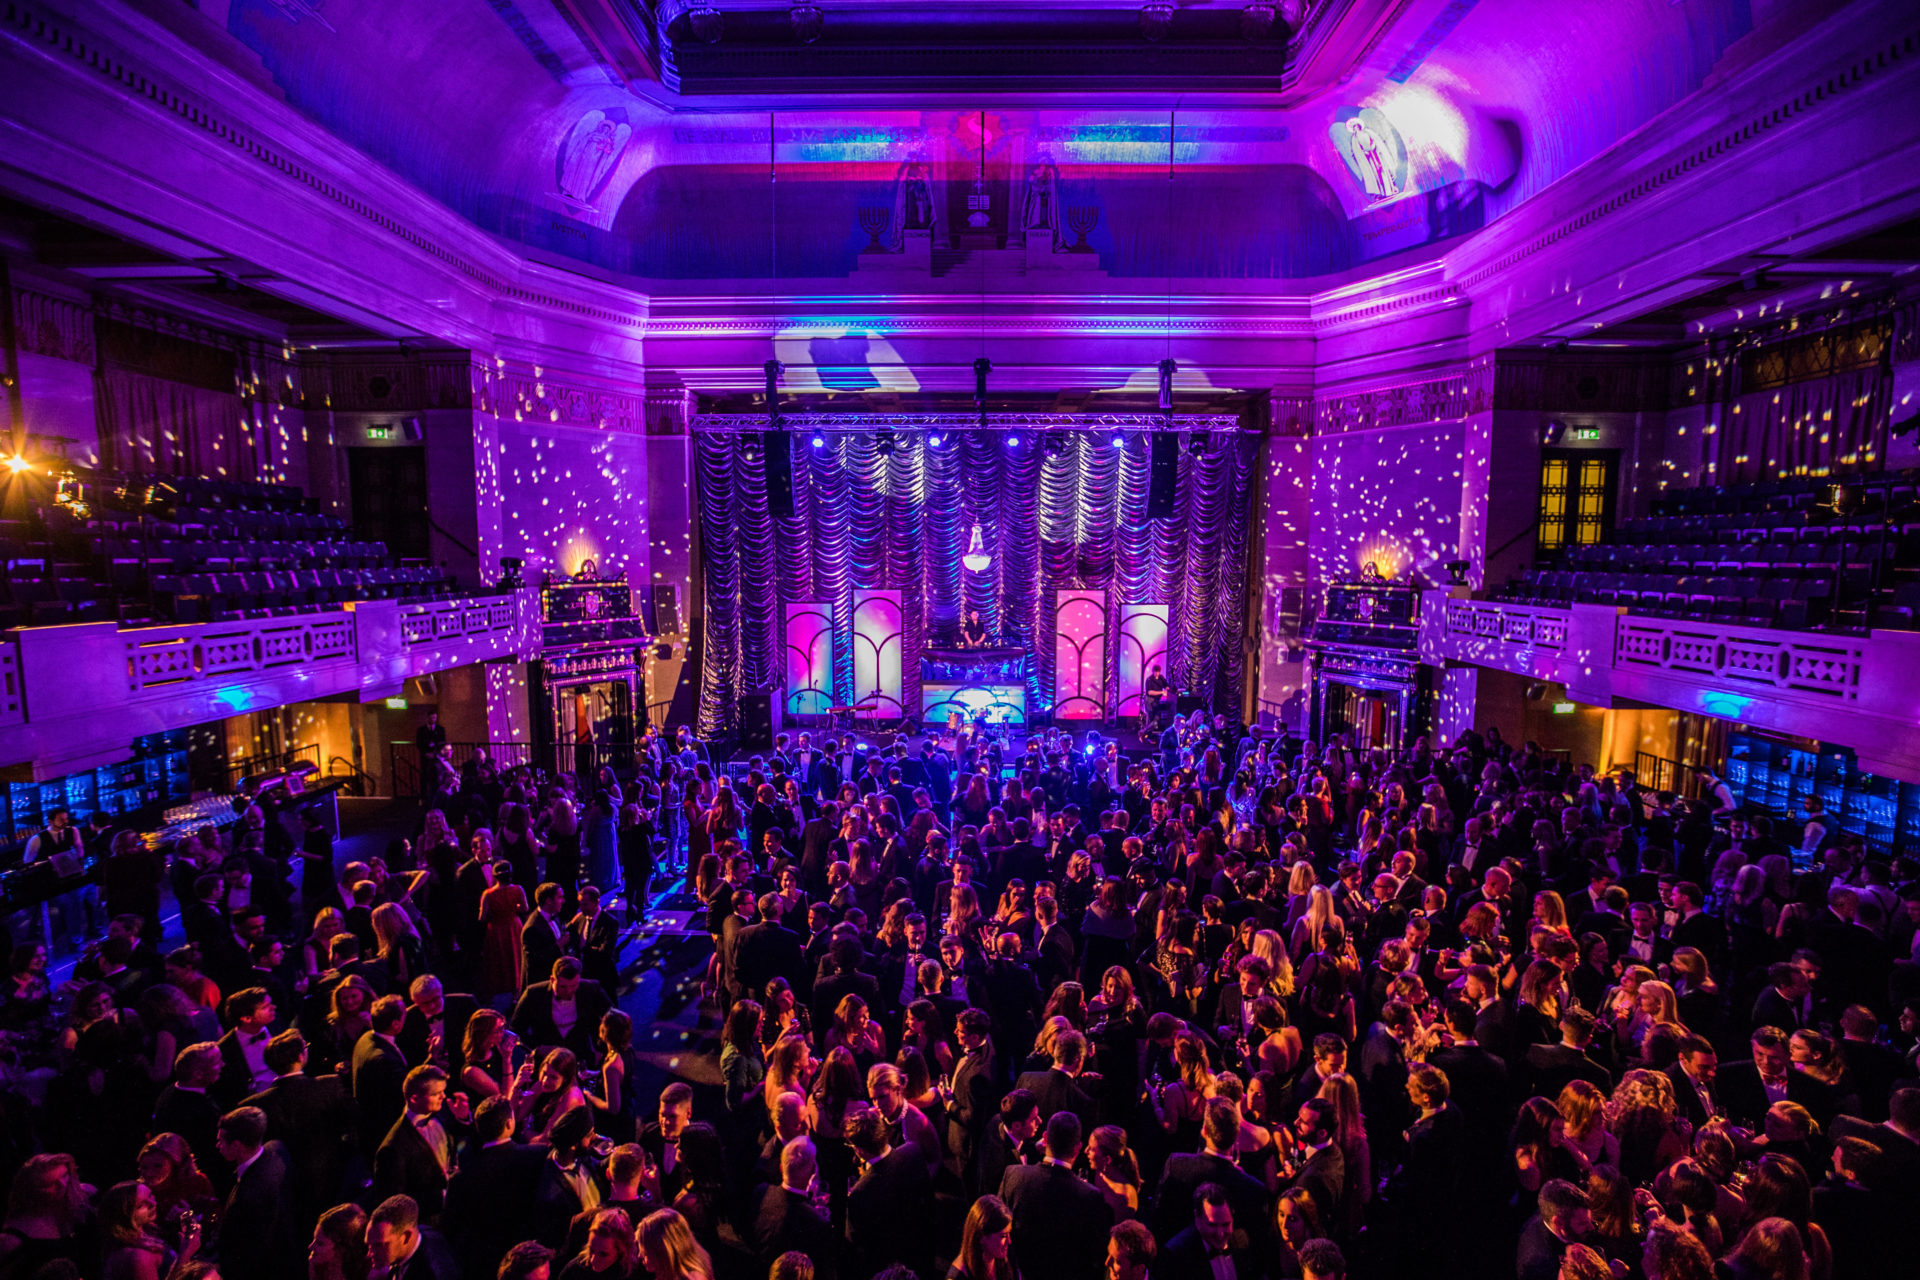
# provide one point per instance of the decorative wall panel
(1080, 655)
(876, 654)
(1143, 643)
(809, 657)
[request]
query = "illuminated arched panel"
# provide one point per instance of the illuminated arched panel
(809, 645)
(1080, 655)
(1143, 642)
(876, 654)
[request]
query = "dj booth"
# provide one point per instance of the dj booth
(975, 684)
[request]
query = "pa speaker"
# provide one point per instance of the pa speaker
(779, 447)
(1163, 474)
(756, 722)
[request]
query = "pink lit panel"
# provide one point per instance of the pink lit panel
(1143, 642)
(1080, 655)
(809, 657)
(876, 654)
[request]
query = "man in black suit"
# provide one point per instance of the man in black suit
(974, 1089)
(1551, 1067)
(1695, 928)
(594, 936)
(1564, 1219)
(542, 938)
(436, 1025)
(418, 1156)
(764, 951)
(786, 1218)
(490, 1199)
(569, 1179)
(1214, 1230)
(1476, 1079)
(1694, 1075)
(1780, 1005)
(312, 1117)
(379, 1073)
(256, 1227)
(1322, 1168)
(1381, 1071)
(889, 1207)
(1059, 1222)
(1747, 1089)
(187, 1108)
(1898, 1140)
(1219, 1133)
(1007, 1140)
(400, 1248)
(564, 1011)
(844, 956)
(250, 1015)
(661, 1138)
(1057, 1089)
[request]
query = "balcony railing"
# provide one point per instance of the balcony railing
(75, 695)
(1790, 681)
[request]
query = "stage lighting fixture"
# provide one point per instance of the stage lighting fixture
(1013, 440)
(1119, 441)
(1551, 433)
(1457, 572)
(17, 464)
(1196, 443)
(1054, 443)
(981, 368)
(819, 441)
(1167, 367)
(935, 439)
(883, 443)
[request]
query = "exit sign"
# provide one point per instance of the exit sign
(385, 432)
(1584, 433)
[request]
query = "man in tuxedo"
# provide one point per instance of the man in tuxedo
(256, 1226)
(185, 1107)
(1322, 1168)
(786, 1219)
(570, 1181)
(1749, 1088)
(564, 1011)
(973, 1087)
(542, 938)
(594, 936)
(661, 1139)
(1693, 1075)
(436, 1025)
(889, 1207)
(1008, 1140)
(400, 1248)
(816, 852)
(490, 1198)
(380, 1072)
(764, 951)
(312, 1117)
(845, 978)
(243, 1066)
(1695, 928)
(1898, 1139)
(1213, 1244)
(1185, 1172)
(1564, 1219)
(1057, 1089)
(1059, 1221)
(1550, 1067)
(1476, 1080)
(418, 1156)
(1780, 1005)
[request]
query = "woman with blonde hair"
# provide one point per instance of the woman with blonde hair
(1657, 1004)
(1643, 1116)
(668, 1250)
(1269, 947)
(610, 1249)
(1312, 926)
(1584, 1109)
(401, 950)
(790, 1068)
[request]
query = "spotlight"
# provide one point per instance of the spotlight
(819, 441)
(1156, 19)
(1457, 572)
(1013, 440)
(1119, 441)
(707, 23)
(1551, 433)
(935, 440)
(17, 464)
(1197, 443)
(883, 442)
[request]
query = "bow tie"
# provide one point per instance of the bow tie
(258, 1037)
(1222, 1252)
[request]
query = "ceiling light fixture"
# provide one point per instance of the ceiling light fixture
(807, 21)
(1156, 19)
(707, 23)
(977, 560)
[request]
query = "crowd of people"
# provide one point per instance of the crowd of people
(1241, 1007)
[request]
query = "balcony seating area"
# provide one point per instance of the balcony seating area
(144, 550)
(1776, 554)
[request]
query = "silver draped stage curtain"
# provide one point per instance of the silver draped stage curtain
(1073, 516)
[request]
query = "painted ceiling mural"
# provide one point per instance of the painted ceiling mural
(499, 109)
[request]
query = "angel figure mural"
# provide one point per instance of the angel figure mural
(589, 153)
(1374, 153)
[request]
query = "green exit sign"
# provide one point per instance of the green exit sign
(1584, 433)
(385, 432)
(396, 704)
